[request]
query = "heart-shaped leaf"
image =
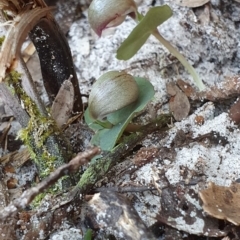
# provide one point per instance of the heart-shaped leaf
(107, 138)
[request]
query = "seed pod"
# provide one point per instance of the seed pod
(112, 91)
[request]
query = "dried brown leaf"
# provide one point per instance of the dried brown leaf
(172, 89)
(9, 169)
(186, 88)
(63, 104)
(199, 120)
(180, 210)
(222, 202)
(179, 104)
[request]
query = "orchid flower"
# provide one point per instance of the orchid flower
(103, 14)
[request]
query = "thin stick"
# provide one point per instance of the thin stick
(27, 78)
(27, 197)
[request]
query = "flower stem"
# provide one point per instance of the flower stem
(181, 58)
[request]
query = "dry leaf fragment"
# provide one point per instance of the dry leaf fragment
(180, 210)
(222, 202)
(204, 16)
(63, 104)
(186, 88)
(179, 104)
(191, 3)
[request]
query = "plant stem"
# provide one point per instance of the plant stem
(181, 58)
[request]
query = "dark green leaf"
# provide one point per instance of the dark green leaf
(88, 235)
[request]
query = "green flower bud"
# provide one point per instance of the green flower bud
(112, 91)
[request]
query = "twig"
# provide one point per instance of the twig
(26, 198)
(28, 80)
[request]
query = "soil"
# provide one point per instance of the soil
(158, 189)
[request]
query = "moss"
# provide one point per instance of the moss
(41, 136)
(1, 40)
(37, 200)
(53, 190)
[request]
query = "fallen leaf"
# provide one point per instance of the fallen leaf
(222, 202)
(186, 87)
(204, 16)
(179, 104)
(63, 104)
(24, 216)
(180, 209)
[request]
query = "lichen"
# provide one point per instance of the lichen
(37, 135)
(37, 200)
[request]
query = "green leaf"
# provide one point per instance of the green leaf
(88, 235)
(154, 17)
(107, 138)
